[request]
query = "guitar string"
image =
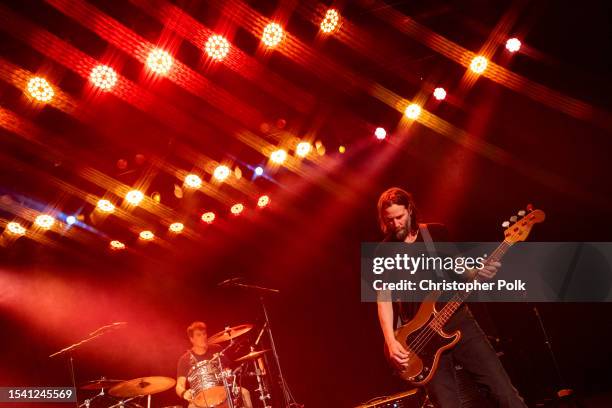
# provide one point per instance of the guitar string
(438, 322)
(449, 309)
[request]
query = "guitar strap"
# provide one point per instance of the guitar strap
(431, 249)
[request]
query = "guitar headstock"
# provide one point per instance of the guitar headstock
(521, 225)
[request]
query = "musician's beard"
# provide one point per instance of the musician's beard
(401, 233)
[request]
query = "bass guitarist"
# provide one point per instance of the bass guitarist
(398, 220)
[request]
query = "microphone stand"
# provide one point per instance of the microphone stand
(289, 401)
(70, 349)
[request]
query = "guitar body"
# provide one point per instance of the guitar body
(425, 353)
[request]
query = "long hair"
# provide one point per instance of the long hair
(396, 195)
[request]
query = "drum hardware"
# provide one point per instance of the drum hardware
(289, 400)
(70, 349)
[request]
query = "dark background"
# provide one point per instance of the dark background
(307, 243)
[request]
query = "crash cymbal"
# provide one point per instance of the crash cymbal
(142, 386)
(251, 355)
(229, 333)
(99, 384)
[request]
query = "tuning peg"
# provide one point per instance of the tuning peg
(505, 224)
(513, 218)
(529, 207)
(521, 213)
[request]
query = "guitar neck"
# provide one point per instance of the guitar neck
(459, 297)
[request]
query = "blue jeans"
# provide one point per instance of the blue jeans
(478, 358)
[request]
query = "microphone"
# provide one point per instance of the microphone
(229, 282)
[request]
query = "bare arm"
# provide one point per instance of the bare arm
(181, 387)
(397, 353)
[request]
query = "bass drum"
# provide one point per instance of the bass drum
(207, 387)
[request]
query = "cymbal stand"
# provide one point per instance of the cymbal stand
(224, 375)
(264, 395)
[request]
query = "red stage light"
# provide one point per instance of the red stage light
(221, 173)
(263, 201)
(380, 133)
(479, 64)
(513, 44)
(15, 228)
(278, 156)
(413, 111)
(217, 47)
(208, 217)
(272, 35)
(44, 221)
(134, 197)
(40, 89)
(159, 61)
(176, 227)
(330, 21)
(116, 245)
(237, 209)
(106, 206)
(104, 77)
(146, 235)
(439, 93)
(303, 149)
(193, 181)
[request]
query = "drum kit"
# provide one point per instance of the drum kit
(213, 384)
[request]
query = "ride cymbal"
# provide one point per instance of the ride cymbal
(142, 386)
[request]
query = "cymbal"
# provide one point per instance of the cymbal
(142, 386)
(229, 333)
(252, 355)
(99, 384)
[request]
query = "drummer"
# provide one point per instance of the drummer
(199, 351)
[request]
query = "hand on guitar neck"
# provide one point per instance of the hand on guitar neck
(486, 273)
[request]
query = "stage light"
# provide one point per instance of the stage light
(263, 201)
(221, 173)
(513, 44)
(208, 217)
(15, 228)
(116, 245)
(237, 209)
(320, 148)
(134, 197)
(40, 89)
(439, 93)
(278, 156)
(217, 47)
(176, 227)
(342, 149)
(303, 148)
(106, 206)
(479, 64)
(380, 133)
(413, 111)
(159, 61)
(71, 219)
(272, 35)
(193, 181)
(259, 170)
(44, 221)
(330, 21)
(104, 77)
(146, 235)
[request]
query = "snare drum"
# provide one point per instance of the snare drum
(206, 384)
